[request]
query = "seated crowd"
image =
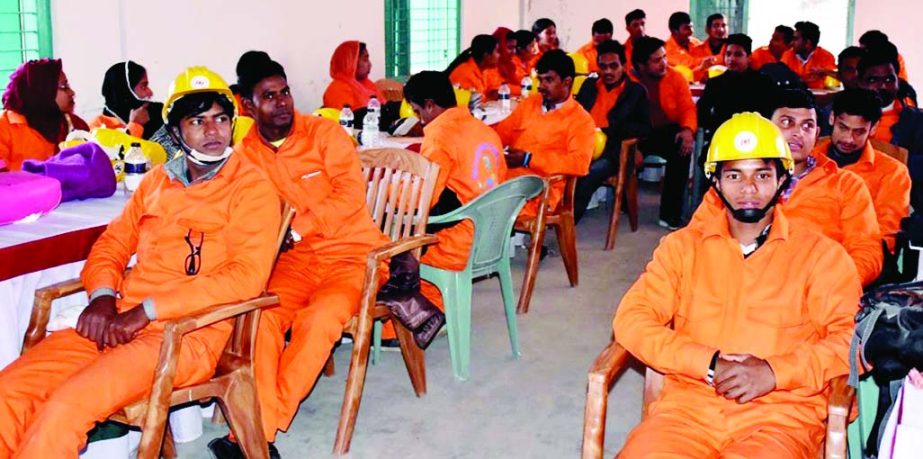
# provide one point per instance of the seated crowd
(746, 308)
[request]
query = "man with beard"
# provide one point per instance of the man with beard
(714, 46)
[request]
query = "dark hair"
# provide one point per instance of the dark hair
(872, 37)
(602, 26)
(362, 47)
(809, 31)
(634, 15)
(677, 19)
(794, 98)
(713, 18)
(481, 46)
(196, 103)
(254, 67)
(430, 85)
(556, 61)
(880, 54)
(788, 33)
(643, 48)
(524, 38)
(858, 102)
(119, 88)
(849, 52)
(741, 40)
(541, 24)
(611, 47)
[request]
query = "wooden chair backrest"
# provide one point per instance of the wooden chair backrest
(400, 190)
(899, 153)
(391, 91)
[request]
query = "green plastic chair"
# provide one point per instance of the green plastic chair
(493, 214)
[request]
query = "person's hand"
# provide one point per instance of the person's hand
(685, 139)
(743, 377)
(94, 320)
(515, 158)
(139, 115)
(123, 328)
(707, 62)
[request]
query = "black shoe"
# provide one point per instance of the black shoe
(273, 452)
(224, 448)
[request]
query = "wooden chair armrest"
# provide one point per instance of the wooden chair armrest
(400, 246)
(218, 313)
(610, 362)
(842, 396)
(41, 309)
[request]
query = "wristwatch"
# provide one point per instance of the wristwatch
(710, 375)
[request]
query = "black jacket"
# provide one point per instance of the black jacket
(629, 118)
(735, 92)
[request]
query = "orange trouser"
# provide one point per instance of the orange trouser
(687, 425)
(52, 395)
(450, 253)
(317, 298)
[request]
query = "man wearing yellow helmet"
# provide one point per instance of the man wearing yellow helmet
(748, 317)
(192, 253)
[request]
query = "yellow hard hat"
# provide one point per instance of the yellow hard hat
(716, 70)
(241, 127)
(600, 143)
(406, 111)
(578, 83)
(194, 80)
(327, 112)
(581, 64)
(686, 72)
(747, 135)
(831, 82)
(462, 97)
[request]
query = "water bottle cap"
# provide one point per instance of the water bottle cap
(346, 106)
(136, 144)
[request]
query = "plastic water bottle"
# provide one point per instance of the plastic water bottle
(504, 95)
(374, 106)
(346, 119)
(526, 86)
(135, 167)
(370, 130)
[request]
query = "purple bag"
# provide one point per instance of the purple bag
(84, 171)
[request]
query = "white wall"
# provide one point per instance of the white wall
(830, 15)
(899, 19)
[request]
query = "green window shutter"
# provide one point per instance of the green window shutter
(735, 12)
(420, 35)
(25, 33)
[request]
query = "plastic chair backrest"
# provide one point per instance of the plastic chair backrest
(493, 214)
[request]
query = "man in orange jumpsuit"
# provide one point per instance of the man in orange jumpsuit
(470, 159)
(873, 38)
(680, 48)
(551, 134)
(714, 46)
(204, 229)
(808, 60)
(780, 42)
(747, 314)
(635, 22)
(313, 166)
(822, 197)
(855, 115)
(673, 119)
(602, 31)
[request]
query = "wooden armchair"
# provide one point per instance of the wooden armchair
(613, 360)
(399, 194)
(899, 153)
(625, 181)
(233, 384)
(562, 220)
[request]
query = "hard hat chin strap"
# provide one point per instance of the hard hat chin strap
(200, 158)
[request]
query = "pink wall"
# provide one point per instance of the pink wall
(899, 19)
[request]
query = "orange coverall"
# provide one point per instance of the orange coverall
(589, 52)
(469, 76)
(703, 50)
(760, 57)
(470, 159)
(791, 303)
(111, 122)
(320, 280)
(820, 59)
(605, 100)
(561, 142)
(833, 202)
(676, 99)
(52, 395)
(888, 181)
(678, 55)
(19, 142)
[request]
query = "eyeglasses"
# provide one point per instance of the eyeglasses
(194, 259)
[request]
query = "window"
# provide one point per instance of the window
(734, 11)
(25, 33)
(420, 35)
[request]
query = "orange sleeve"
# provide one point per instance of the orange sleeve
(642, 321)
(337, 95)
(464, 77)
(861, 234)
(687, 110)
(338, 191)
(832, 301)
(575, 160)
(509, 128)
(135, 129)
(893, 203)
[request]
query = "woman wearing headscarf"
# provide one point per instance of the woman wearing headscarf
(349, 68)
(506, 68)
(38, 113)
(127, 93)
(470, 69)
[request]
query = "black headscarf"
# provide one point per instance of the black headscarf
(118, 90)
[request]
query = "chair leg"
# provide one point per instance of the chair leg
(506, 289)
(355, 380)
(168, 450)
(376, 341)
(528, 282)
(614, 218)
(242, 410)
(448, 288)
(462, 317)
(330, 366)
(632, 196)
(414, 358)
(567, 242)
